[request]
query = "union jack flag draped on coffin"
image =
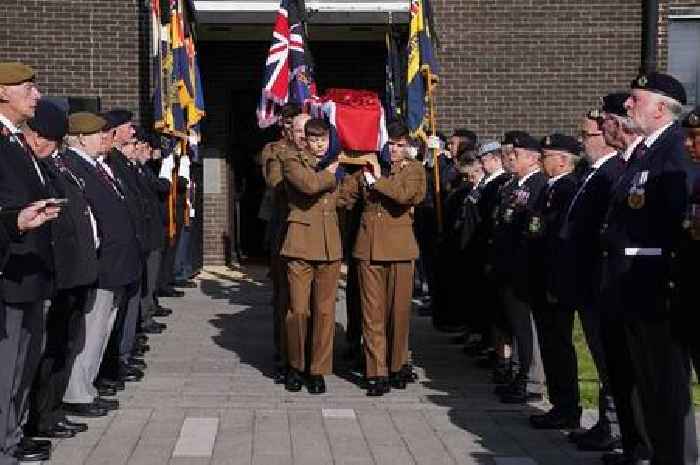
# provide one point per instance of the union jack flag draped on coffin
(288, 75)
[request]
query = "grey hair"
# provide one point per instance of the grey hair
(72, 141)
(674, 106)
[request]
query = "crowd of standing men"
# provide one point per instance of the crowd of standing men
(91, 217)
(605, 224)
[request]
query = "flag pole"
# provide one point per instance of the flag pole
(436, 160)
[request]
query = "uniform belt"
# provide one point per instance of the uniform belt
(643, 251)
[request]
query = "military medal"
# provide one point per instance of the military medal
(535, 226)
(508, 215)
(636, 197)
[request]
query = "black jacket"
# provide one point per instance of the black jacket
(75, 257)
(119, 254)
(511, 237)
(577, 272)
(28, 275)
(643, 228)
(152, 188)
(125, 171)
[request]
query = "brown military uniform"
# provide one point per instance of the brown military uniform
(385, 249)
(312, 251)
(271, 161)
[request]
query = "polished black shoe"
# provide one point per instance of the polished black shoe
(137, 363)
(396, 381)
(112, 383)
(57, 431)
(185, 283)
(316, 384)
(71, 425)
(141, 349)
(162, 311)
(154, 328)
(280, 375)
(517, 393)
(599, 440)
(107, 404)
(377, 387)
(106, 391)
(408, 374)
(84, 410)
(294, 381)
(141, 339)
(170, 293)
(129, 374)
(33, 451)
(556, 420)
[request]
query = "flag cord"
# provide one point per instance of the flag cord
(436, 160)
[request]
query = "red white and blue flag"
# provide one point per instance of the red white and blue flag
(288, 75)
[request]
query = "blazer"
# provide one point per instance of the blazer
(643, 228)
(119, 255)
(386, 226)
(577, 271)
(312, 222)
(126, 173)
(152, 188)
(28, 274)
(75, 254)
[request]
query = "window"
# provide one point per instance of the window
(684, 53)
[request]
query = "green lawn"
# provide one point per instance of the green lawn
(587, 375)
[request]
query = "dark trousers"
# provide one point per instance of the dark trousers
(183, 256)
(149, 285)
(21, 344)
(591, 323)
(661, 367)
(621, 378)
(65, 338)
(167, 264)
(555, 328)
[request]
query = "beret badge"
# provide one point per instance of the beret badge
(694, 119)
(642, 81)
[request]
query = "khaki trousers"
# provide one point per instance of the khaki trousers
(280, 303)
(312, 291)
(385, 293)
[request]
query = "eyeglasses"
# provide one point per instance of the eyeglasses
(587, 135)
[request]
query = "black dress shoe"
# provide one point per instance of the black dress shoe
(136, 363)
(408, 374)
(517, 393)
(280, 375)
(154, 328)
(107, 404)
(185, 284)
(128, 374)
(35, 443)
(377, 387)
(106, 391)
(599, 440)
(57, 431)
(162, 311)
(141, 349)
(556, 420)
(396, 381)
(71, 425)
(112, 383)
(170, 293)
(316, 384)
(294, 381)
(84, 410)
(28, 452)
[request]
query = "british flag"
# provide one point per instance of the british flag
(288, 75)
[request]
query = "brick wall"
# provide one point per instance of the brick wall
(82, 48)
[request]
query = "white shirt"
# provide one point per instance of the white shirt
(601, 161)
(522, 180)
(101, 161)
(14, 130)
(628, 151)
(493, 176)
(554, 179)
(651, 138)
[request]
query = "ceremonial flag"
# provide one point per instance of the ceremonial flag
(157, 62)
(288, 75)
(394, 82)
(421, 65)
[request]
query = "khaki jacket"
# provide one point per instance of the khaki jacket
(312, 223)
(386, 228)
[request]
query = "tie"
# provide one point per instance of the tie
(30, 153)
(638, 153)
(107, 179)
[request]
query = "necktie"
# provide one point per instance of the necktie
(107, 179)
(638, 153)
(30, 153)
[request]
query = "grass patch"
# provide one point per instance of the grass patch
(588, 375)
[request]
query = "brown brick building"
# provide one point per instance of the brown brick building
(504, 64)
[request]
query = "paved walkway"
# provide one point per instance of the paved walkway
(207, 399)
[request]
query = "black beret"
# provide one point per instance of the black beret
(522, 140)
(692, 119)
(140, 134)
(49, 121)
(663, 84)
(466, 134)
(562, 143)
(615, 103)
(117, 117)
